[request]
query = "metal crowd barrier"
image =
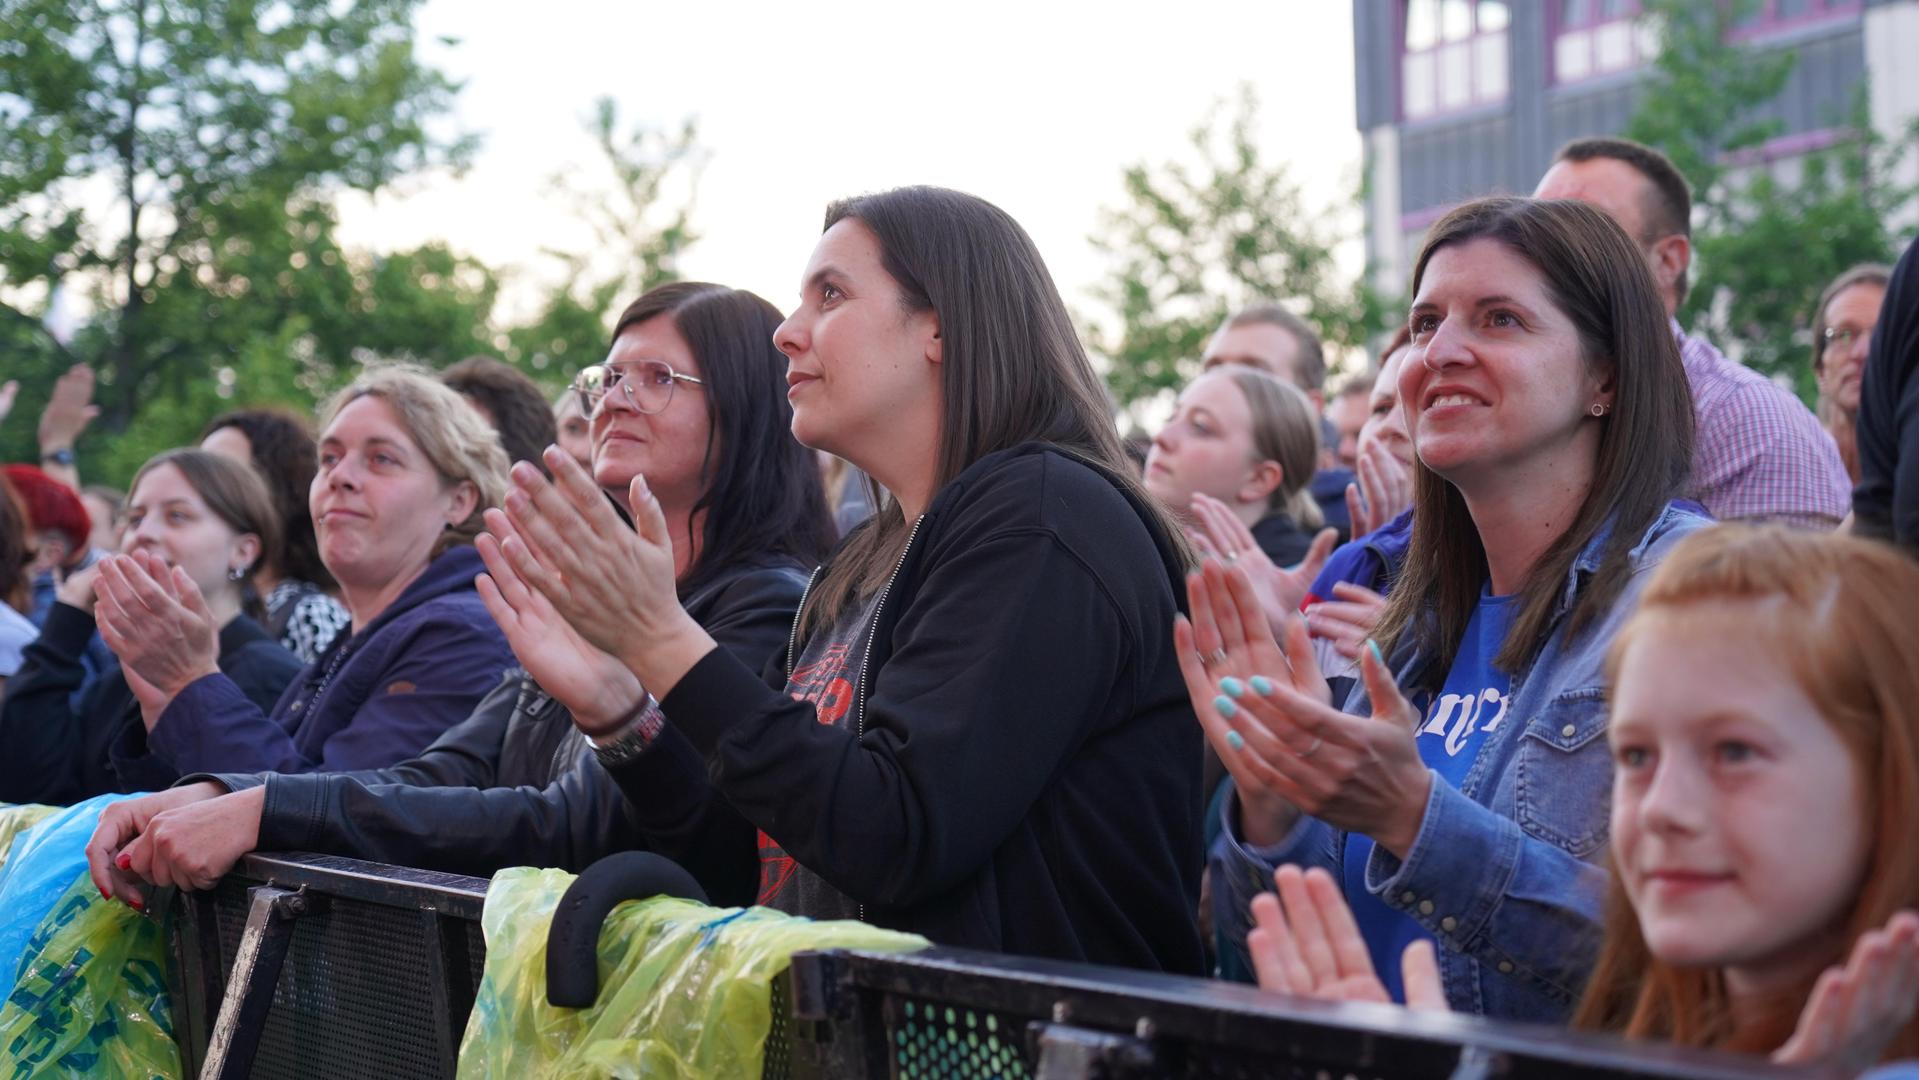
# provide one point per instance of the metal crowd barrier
(302, 966)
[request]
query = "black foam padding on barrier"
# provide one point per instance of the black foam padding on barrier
(572, 943)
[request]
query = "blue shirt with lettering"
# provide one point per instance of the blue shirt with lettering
(1471, 705)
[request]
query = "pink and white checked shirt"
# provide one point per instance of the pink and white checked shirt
(1759, 452)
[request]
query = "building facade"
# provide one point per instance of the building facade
(1458, 99)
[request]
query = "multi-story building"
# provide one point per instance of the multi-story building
(1463, 98)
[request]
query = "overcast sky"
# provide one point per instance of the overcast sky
(1037, 106)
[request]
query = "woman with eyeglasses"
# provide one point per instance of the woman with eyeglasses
(977, 731)
(693, 395)
(1842, 327)
(405, 467)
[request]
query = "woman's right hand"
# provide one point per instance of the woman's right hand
(594, 685)
(1306, 942)
(123, 822)
(1227, 638)
(1219, 532)
(1383, 489)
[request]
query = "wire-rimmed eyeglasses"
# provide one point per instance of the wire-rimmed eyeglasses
(647, 384)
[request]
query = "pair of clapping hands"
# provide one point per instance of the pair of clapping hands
(588, 606)
(1305, 942)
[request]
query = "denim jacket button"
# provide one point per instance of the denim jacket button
(1449, 924)
(1407, 897)
(1425, 907)
(1569, 731)
(1505, 967)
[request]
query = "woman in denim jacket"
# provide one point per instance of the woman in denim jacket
(1461, 795)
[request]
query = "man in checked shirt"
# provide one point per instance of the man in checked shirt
(1760, 453)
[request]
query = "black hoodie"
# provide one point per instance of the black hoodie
(1021, 773)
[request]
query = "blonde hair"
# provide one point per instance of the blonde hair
(458, 443)
(1286, 431)
(1847, 630)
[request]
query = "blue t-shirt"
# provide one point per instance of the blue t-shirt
(1472, 703)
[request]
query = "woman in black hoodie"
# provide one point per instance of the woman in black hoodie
(977, 732)
(692, 394)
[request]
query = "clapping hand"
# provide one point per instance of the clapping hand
(1268, 715)
(156, 622)
(1856, 1011)
(613, 585)
(1305, 942)
(1219, 533)
(1383, 489)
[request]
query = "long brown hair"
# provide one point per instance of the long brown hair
(1012, 371)
(1848, 632)
(1285, 430)
(1599, 280)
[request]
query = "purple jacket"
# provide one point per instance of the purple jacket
(370, 700)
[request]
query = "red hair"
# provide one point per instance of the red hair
(1847, 630)
(51, 506)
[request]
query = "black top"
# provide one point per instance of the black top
(549, 803)
(1281, 538)
(1021, 770)
(61, 748)
(1885, 505)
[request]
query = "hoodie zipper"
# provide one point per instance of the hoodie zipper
(793, 641)
(872, 630)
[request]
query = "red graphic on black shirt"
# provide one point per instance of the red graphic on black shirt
(823, 682)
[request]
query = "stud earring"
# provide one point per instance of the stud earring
(236, 573)
(1597, 409)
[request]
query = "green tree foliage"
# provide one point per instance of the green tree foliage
(1192, 243)
(1765, 244)
(641, 219)
(172, 161)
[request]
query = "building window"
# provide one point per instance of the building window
(1452, 55)
(1769, 15)
(1599, 37)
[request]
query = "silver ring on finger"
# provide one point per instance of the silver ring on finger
(1231, 558)
(1217, 656)
(1318, 741)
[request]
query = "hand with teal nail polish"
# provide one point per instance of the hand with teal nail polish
(1225, 707)
(1262, 685)
(1231, 687)
(1235, 740)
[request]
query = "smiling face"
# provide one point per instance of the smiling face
(1852, 313)
(1496, 388)
(669, 446)
(378, 504)
(1737, 822)
(1207, 449)
(862, 370)
(168, 518)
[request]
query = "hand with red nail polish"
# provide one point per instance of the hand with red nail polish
(121, 822)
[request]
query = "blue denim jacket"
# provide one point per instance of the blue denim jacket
(1505, 872)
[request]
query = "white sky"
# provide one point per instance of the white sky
(1036, 106)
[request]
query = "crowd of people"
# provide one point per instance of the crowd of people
(1556, 669)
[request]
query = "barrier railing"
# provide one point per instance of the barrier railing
(300, 965)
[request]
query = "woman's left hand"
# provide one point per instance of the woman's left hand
(1855, 1012)
(195, 845)
(614, 585)
(1358, 773)
(1348, 619)
(153, 618)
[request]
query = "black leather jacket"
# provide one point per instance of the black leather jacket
(515, 784)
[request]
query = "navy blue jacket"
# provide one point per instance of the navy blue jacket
(372, 699)
(64, 743)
